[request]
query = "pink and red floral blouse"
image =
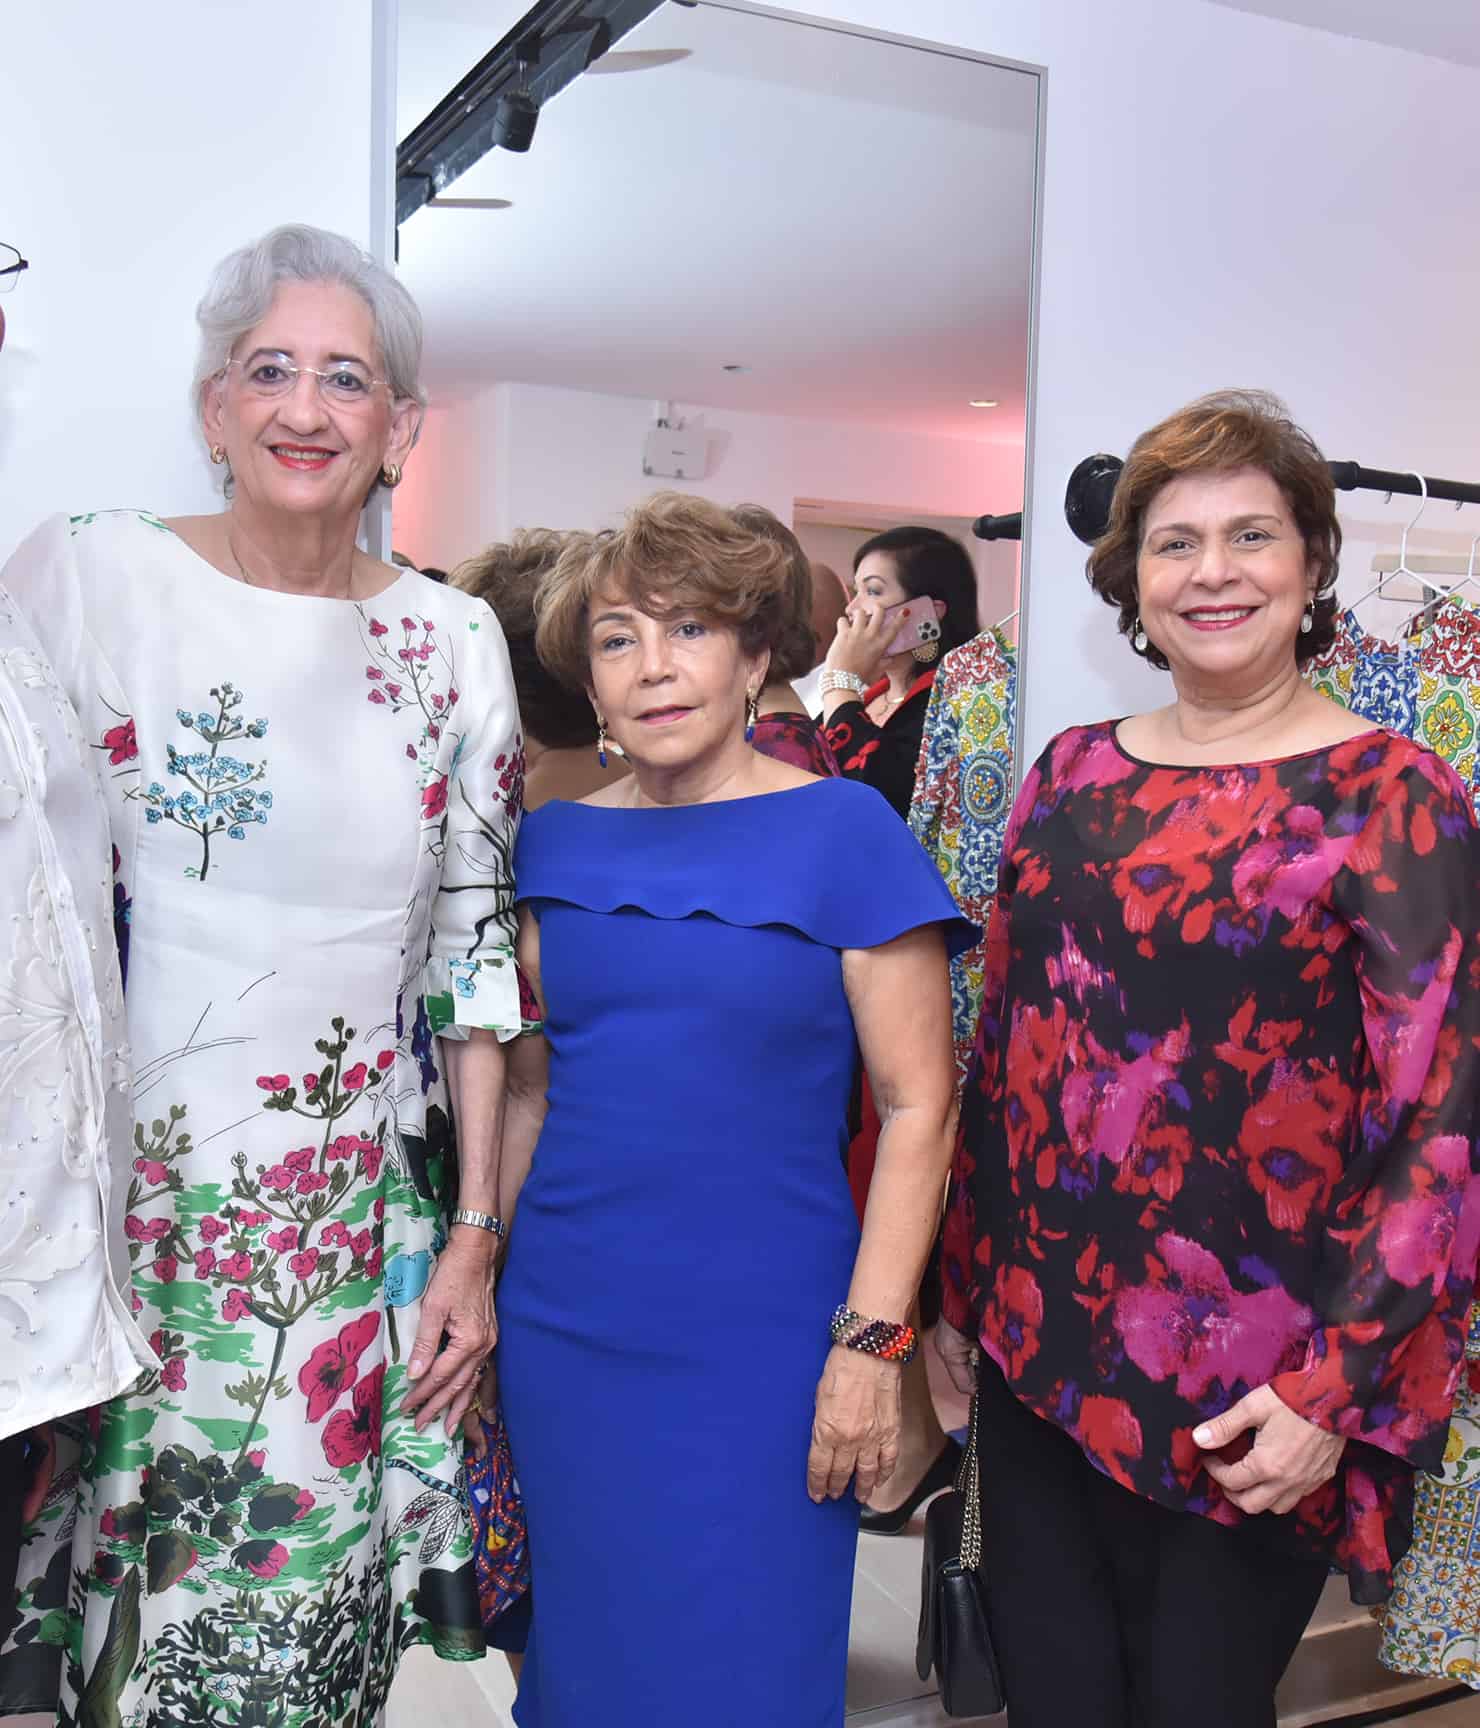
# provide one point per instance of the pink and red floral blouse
(1220, 1129)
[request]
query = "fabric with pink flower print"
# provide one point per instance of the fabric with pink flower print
(240, 1519)
(1220, 1128)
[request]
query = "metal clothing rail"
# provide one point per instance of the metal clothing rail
(999, 527)
(1092, 484)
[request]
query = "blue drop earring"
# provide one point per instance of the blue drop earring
(601, 740)
(750, 717)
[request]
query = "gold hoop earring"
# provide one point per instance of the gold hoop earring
(751, 709)
(926, 652)
(390, 475)
(601, 740)
(218, 454)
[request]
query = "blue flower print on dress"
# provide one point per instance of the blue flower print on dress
(221, 792)
(464, 977)
(406, 1276)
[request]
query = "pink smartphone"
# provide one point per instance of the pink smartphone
(917, 621)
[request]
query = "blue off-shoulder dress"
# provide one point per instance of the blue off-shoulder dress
(683, 1236)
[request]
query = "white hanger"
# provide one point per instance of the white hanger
(1402, 567)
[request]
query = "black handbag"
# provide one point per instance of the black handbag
(955, 1637)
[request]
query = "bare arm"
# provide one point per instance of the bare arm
(901, 1001)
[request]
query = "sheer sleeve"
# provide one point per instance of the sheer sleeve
(471, 978)
(1399, 1265)
(959, 1301)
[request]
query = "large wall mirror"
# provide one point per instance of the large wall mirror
(809, 250)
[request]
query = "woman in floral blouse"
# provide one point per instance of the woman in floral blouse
(1217, 1205)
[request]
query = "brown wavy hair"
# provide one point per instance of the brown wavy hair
(1216, 434)
(795, 652)
(508, 575)
(675, 553)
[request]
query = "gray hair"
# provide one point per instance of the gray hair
(244, 284)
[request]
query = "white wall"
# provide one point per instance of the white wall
(573, 459)
(135, 151)
(1228, 200)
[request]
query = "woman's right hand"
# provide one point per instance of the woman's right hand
(958, 1350)
(860, 642)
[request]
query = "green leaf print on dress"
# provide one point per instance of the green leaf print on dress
(220, 791)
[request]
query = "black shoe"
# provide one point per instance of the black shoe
(941, 1474)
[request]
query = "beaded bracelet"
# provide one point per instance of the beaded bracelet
(882, 1338)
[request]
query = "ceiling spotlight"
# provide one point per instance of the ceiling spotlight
(514, 121)
(982, 402)
(734, 366)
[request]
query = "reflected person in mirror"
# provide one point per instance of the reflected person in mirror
(700, 1356)
(783, 727)
(560, 755)
(1216, 1211)
(312, 767)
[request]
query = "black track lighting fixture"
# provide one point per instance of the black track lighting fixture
(497, 106)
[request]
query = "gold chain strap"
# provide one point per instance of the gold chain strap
(968, 1484)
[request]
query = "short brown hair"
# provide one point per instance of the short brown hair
(795, 652)
(1230, 429)
(674, 553)
(508, 576)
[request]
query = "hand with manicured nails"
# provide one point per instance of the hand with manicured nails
(1289, 1459)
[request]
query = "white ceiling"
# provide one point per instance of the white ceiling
(1446, 29)
(849, 218)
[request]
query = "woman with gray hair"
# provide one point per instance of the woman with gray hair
(314, 777)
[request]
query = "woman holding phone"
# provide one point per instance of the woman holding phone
(876, 686)
(875, 693)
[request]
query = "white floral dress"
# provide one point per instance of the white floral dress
(313, 804)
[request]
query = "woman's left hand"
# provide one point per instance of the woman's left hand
(443, 1373)
(855, 1431)
(1289, 1459)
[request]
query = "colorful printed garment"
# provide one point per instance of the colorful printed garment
(313, 805)
(795, 738)
(963, 793)
(1427, 688)
(1432, 1621)
(1220, 1126)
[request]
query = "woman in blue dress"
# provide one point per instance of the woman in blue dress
(699, 1354)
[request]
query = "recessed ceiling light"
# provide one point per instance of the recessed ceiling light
(982, 402)
(736, 367)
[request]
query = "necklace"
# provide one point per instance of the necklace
(241, 570)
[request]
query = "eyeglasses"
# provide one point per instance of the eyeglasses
(11, 265)
(345, 384)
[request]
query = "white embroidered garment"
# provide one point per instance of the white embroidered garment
(67, 1339)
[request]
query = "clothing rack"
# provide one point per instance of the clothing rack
(1008, 527)
(1087, 502)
